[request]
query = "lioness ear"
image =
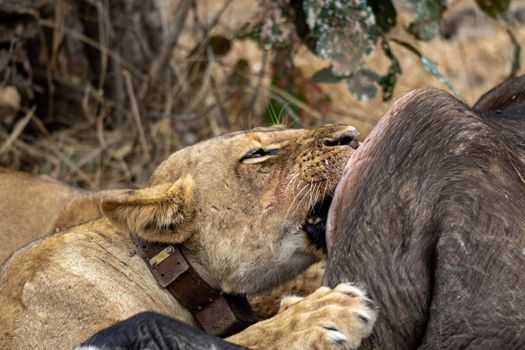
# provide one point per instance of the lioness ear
(158, 213)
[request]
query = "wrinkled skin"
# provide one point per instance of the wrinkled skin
(430, 217)
(238, 206)
(153, 331)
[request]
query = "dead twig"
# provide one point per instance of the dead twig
(194, 116)
(217, 17)
(160, 64)
(260, 81)
(103, 29)
(136, 113)
(224, 115)
(19, 127)
(58, 32)
(88, 41)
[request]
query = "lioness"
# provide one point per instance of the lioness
(47, 196)
(243, 208)
(33, 206)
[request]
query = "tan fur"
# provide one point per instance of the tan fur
(238, 221)
(34, 206)
(327, 319)
(267, 303)
(29, 207)
(37, 205)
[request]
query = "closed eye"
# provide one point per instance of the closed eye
(258, 155)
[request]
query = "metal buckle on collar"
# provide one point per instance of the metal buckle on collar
(219, 314)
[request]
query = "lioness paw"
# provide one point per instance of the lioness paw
(336, 318)
(334, 336)
(288, 301)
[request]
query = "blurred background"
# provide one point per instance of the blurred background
(98, 92)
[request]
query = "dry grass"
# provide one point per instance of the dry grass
(118, 127)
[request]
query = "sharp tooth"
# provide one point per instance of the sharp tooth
(317, 220)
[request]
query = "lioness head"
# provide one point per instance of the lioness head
(248, 208)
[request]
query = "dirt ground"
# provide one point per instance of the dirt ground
(90, 152)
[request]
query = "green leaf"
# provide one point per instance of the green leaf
(362, 85)
(92, 166)
(430, 65)
(345, 32)
(493, 7)
(516, 56)
(385, 14)
(428, 14)
(326, 75)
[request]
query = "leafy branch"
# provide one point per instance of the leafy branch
(345, 32)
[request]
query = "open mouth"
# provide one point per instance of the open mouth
(315, 224)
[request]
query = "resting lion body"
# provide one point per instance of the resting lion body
(34, 206)
(29, 207)
(66, 288)
(240, 207)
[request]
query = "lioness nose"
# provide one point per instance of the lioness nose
(348, 137)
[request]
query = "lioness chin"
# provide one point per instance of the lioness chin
(243, 208)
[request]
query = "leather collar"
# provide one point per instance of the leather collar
(217, 313)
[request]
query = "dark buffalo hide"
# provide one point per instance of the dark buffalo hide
(152, 331)
(430, 218)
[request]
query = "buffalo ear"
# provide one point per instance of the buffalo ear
(158, 213)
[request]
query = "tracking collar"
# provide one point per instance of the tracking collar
(218, 313)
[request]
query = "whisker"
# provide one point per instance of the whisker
(303, 198)
(291, 183)
(317, 193)
(325, 188)
(311, 192)
(293, 201)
